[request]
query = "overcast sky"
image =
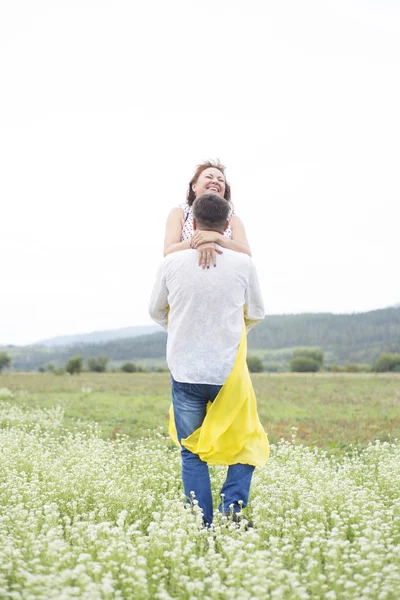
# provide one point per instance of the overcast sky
(107, 106)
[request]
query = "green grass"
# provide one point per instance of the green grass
(329, 410)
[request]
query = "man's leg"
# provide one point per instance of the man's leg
(236, 487)
(189, 412)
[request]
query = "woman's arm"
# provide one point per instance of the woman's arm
(173, 232)
(173, 235)
(238, 242)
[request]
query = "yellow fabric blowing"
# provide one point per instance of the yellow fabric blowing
(231, 432)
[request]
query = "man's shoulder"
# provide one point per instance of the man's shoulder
(236, 257)
(179, 257)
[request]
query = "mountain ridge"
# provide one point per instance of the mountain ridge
(99, 336)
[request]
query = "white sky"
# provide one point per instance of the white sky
(107, 106)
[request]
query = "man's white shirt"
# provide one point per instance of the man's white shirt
(206, 311)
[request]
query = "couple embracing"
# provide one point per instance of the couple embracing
(207, 295)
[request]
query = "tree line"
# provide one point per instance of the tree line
(304, 360)
(98, 364)
(75, 365)
(310, 360)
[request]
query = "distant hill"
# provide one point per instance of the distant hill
(99, 336)
(358, 338)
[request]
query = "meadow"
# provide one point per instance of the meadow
(92, 504)
(329, 410)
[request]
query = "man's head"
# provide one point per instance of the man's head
(211, 212)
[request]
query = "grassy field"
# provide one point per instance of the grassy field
(89, 515)
(329, 410)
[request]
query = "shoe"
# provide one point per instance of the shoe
(238, 518)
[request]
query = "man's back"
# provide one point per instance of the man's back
(206, 309)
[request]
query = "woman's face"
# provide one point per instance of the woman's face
(210, 181)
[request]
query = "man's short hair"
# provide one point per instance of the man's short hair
(211, 211)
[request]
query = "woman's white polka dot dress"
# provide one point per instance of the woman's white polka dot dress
(187, 229)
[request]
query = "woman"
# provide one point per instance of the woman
(209, 177)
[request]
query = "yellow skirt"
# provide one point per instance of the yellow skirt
(231, 432)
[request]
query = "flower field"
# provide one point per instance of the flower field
(93, 518)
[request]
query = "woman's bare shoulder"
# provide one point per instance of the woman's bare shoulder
(175, 214)
(235, 220)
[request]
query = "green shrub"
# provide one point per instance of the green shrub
(304, 364)
(313, 353)
(387, 362)
(74, 365)
(5, 361)
(254, 364)
(98, 364)
(129, 367)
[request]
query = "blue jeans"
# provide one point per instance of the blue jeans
(190, 401)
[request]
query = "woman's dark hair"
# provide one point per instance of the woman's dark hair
(211, 211)
(191, 196)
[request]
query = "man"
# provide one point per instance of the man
(204, 311)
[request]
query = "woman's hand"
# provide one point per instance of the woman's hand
(203, 236)
(208, 255)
